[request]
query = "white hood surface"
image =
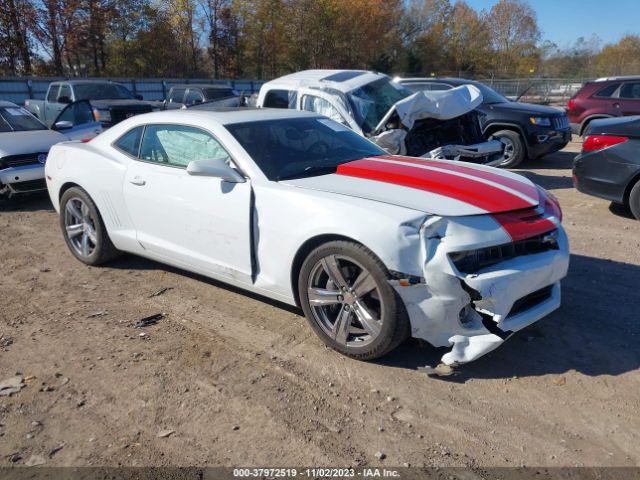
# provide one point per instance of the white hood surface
(18, 143)
(438, 187)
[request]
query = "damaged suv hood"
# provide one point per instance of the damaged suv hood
(441, 105)
(437, 187)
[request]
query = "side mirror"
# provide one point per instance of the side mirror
(138, 97)
(215, 167)
(63, 125)
(64, 99)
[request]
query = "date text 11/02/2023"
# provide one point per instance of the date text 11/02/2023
(316, 472)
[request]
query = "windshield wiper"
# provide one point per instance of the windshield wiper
(309, 172)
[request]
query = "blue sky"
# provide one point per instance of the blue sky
(562, 21)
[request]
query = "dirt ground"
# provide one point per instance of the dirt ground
(243, 381)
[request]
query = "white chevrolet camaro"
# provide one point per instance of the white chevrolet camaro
(296, 207)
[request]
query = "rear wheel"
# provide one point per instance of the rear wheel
(514, 151)
(634, 200)
(349, 303)
(83, 228)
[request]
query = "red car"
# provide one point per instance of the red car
(604, 98)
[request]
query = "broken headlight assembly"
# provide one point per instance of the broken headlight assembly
(472, 261)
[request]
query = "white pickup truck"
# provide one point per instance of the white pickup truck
(428, 124)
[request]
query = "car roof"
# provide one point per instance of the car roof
(452, 80)
(342, 80)
(87, 82)
(5, 104)
(618, 78)
(201, 85)
(223, 115)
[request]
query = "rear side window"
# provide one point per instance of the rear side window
(129, 143)
(177, 145)
(607, 91)
(277, 99)
(630, 90)
(52, 96)
(177, 94)
(193, 96)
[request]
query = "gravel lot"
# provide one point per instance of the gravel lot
(237, 380)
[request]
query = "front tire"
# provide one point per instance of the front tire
(83, 229)
(514, 150)
(349, 303)
(634, 200)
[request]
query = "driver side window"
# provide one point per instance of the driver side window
(78, 113)
(177, 145)
(311, 103)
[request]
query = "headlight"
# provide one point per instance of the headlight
(102, 115)
(540, 121)
(550, 203)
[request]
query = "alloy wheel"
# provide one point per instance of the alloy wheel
(80, 227)
(345, 300)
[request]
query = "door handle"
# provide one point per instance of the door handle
(616, 105)
(137, 181)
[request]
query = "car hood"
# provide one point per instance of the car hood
(18, 143)
(440, 105)
(438, 187)
(529, 108)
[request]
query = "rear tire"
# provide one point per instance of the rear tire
(349, 303)
(83, 229)
(514, 148)
(634, 200)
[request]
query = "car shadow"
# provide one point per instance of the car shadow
(548, 182)
(595, 332)
(621, 211)
(554, 161)
(28, 202)
(133, 262)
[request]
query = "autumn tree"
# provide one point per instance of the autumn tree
(621, 58)
(514, 33)
(15, 38)
(467, 41)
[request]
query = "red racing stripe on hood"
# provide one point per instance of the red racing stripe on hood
(524, 224)
(472, 191)
(517, 185)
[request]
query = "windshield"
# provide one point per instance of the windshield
(372, 101)
(16, 119)
(102, 91)
(301, 147)
(488, 94)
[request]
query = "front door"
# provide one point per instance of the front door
(196, 221)
(77, 122)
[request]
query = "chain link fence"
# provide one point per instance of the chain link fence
(547, 91)
(18, 89)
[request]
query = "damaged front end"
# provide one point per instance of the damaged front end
(476, 292)
(440, 125)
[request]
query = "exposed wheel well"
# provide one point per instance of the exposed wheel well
(302, 253)
(493, 128)
(587, 121)
(66, 187)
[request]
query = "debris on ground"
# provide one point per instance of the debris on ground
(150, 320)
(5, 341)
(88, 286)
(380, 455)
(560, 381)
(11, 385)
(159, 292)
(165, 433)
(441, 370)
(35, 460)
(55, 450)
(99, 313)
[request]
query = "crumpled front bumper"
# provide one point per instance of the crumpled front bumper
(475, 313)
(13, 176)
